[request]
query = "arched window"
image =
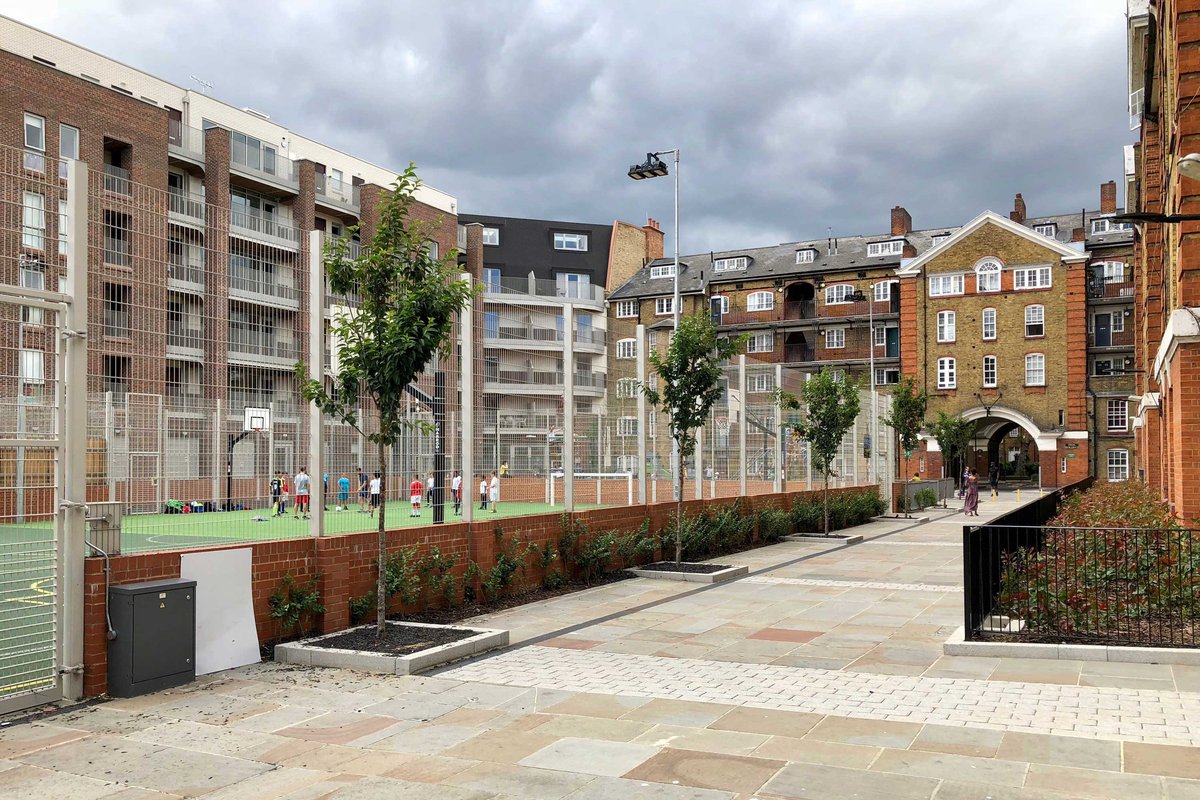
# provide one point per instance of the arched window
(987, 275)
(760, 301)
(838, 293)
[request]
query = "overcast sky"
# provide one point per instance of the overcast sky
(792, 117)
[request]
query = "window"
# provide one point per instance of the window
(1046, 229)
(572, 284)
(116, 311)
(806, 256)
(883, 291)
(116, 238)
(62, 227)
(760, 382)
(839, 293)
(571, 241)
(1113, 271)
(627, 388)
(652, 340)
(491, 325)
(627, 308)
(116, 376)
(1035, 321)
(255, 154)
(886, 376)
(761, 343)
(432, 249)
(664, 306)
(946, 374)
(33, 367)
(626, 348)
(626, 426)
(652, 424)
(730, 264)
(491, 236)
(1031, 278)
(33, 276)
(33, 221)
(1035, 369)
(880, 336)
(893, 248)
(1118, 465)
(662, 271)
(1118, 415)
(835, 338)
(68, 147)
(760, 301)
(1106, 366)
(989, 324)
(35, 143)
(1109, 226)
(987, 276)
(989, 372)
(945, 326)
(491, 279)
(938, 238)
(941, 285)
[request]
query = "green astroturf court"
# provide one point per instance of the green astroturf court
(27, 609)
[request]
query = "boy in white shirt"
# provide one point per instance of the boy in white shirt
(483, 493)
(456, 492)
(375, 491)
(495, 495)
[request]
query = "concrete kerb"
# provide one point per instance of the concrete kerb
(727, 574)
(304, 653)
(833, 538)
(957, 645)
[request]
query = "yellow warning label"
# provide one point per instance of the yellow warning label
(162, 605)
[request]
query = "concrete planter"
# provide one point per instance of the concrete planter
(900, 518)
(834, 538)
(726, 574)
(304, 653)
(957, 646)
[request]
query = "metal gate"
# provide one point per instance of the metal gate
(43, 372)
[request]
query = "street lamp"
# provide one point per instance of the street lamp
(655, 167)
(858, 297)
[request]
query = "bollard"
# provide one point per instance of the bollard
(1018, 495)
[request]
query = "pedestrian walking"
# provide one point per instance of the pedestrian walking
(971, 493)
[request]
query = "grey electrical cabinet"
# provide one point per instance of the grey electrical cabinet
(155, 645)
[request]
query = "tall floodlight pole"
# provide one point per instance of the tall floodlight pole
(870, 298)
(654, 167)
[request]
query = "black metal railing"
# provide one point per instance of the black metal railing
(1025, 581)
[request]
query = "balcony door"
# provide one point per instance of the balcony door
(1103, 330)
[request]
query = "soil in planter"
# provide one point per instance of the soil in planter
(398, 639)
(671, 566)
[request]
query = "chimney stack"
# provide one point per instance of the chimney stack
(1018, 212)
(654, 239)
(1108, 197)
(901, 222)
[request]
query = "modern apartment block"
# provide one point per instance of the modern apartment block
(200, 215)
(532, 270)
(849, 301)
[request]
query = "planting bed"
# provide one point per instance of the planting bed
(358, 648)
(696, 573)
(398, 639)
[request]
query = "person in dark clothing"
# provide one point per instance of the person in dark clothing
(994, 475)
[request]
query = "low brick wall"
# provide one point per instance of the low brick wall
(345, 564)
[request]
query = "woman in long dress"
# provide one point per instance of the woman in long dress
(971, 501)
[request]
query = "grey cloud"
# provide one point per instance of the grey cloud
(792, 116)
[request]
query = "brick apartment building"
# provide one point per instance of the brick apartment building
(811, 304)
(1164, 68)
(200, 215)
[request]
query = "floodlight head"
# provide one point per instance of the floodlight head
(654, 167)
(1189, 166)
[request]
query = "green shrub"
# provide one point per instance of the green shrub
(846, 509)
(773, 524)
(470, 579)
(924, 498)
(291, 604)
(402, 575)
(437, 575)
(594, 557)
(808, 515)
(361, 607)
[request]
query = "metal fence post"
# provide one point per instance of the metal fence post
(642, 421)
(466, 338)
(73, 442)
(697, 461)
(316, 372)
(742, 414)
(779, 428)
(568, 446)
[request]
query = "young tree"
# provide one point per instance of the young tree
(829, 405)
(408, 303)
(690, 385)
(907, 417)
(953, 435)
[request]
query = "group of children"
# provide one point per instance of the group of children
(370, 493)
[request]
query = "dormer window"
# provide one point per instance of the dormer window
(731, 264)
(663, 271)
(894, 247)
(806, 256)
(570, 241)
(938, 238)
(1047, 229)
(1106, 225)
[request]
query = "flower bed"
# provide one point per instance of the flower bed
(1113, 567)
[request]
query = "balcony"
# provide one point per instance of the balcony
(799, 309)
(186, 208)
(263, 349)
(798, 353)
(750, 317)
(282, 404)
(180, 337)
(1113, 339)
(1110, 287)
(116, 180)
(263, 288)
(181, 402)
(590, 380)
(519, 423)
(264, 166)
(184, 142)
(512, 289)
(337, 193)
(116, 323)
(264, 229)
(183, 273)
(861, 308)
(524, 334)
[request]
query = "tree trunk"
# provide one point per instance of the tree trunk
(381, 582)
(827, 502)
(679, 513)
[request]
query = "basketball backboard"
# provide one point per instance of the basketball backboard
(256, 419)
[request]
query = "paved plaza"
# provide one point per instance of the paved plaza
(820, 675)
